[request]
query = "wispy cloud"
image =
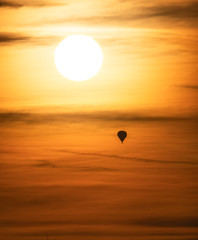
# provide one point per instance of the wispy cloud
(19, 4)
(16, 38)
(193, 87)
(12, 37)
(10, 4)
(80, 168)
(184, 12)
(132, 14)
(164, 222)
(146, 160)
(31, 118)
(169, 222)
(44, 163)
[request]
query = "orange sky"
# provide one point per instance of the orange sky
(150, 55)
(63, 171)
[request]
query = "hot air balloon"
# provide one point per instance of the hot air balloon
(122, 135)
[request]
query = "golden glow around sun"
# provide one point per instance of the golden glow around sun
(78, 57)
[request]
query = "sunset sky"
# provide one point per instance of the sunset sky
(63, 170)
(150, 55)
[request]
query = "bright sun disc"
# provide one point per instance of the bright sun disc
(78, 57)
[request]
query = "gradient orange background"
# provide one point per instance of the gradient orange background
(63, 171)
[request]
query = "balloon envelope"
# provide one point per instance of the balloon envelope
(122, 135)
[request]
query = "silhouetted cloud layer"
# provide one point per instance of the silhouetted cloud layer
(185, 11)
(135, 12)
(19, 4)
(145, 160)
(12, 37)
(16, 38)
(173, 222)
(31, 118)
(10, 4)
(165, 222)
(194, 87)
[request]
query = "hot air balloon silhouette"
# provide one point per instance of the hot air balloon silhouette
(122, 135)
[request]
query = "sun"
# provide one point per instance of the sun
(78, 57)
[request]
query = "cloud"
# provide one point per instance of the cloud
(79, 168)
(10, 4)
(12, 37)
(172, 222)
(137, 13)
(185, 11)
(145, 160)
(182, 11)
(84, 227)
(44, 163)
(16, 38)
(164, 222)
(13, 117)
(34, 118)
(19, 4)
(193, 87)
(93, 233)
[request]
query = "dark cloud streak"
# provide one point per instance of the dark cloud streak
(193, 87)
(44, 163)
(10, 4)
(166, 222)
(187, 11)
(145, 160)
(31, 118)
(16, 38)
(12, 37)
(36, 4)
(184, 222)
(181, 13)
